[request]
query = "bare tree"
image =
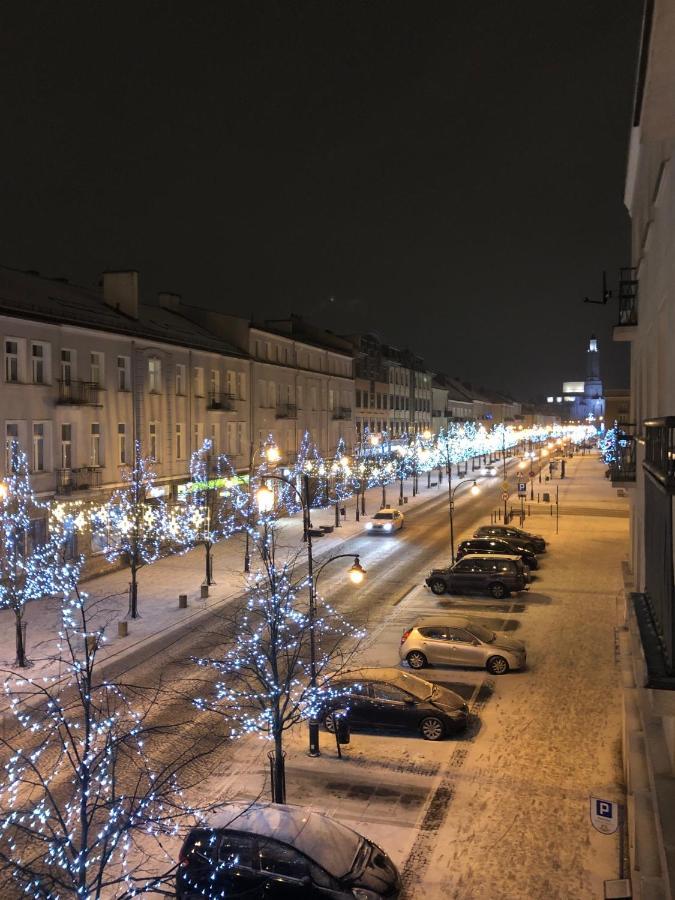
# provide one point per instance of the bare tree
(84, 810)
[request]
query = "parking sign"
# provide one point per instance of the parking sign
(522, 488)
(604, 815)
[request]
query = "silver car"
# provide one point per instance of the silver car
(459, 641)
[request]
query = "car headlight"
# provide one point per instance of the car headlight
(387, 527)
(369, 525)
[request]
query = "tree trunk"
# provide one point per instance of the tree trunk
(21, 660)
(209, 564)
(278, 771)
(384, 495)
(133, 591)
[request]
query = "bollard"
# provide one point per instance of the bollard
(122, 628)
(205, 591)
(182, 601)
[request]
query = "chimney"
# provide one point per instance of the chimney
(169, 301)
(120, 291)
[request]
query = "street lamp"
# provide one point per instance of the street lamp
(265, 500)
(4, 490)
(272, 455)
(475, 490)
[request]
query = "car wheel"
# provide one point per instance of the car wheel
(437, 586)
(432, 728)
(416, 659)
(498, 590)
(497, 665)
(329, 722)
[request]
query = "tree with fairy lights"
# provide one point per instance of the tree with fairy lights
(205, 517)
(308, 462)
(90, 793)
(29, 569)
(268, 674)
(341, 487)
(135, 523)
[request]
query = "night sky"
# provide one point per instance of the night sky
(449, 175)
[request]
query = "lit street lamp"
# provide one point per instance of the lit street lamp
(265, 500)
(272, 454)
(475, 490)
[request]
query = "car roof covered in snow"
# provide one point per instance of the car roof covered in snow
(329, 843)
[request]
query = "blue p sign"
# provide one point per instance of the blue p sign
(604, 815)
(603, 808)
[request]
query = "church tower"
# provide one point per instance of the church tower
(595, 402)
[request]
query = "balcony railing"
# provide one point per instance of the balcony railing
(78, 393)
(622, 467)
(86, 478)
(628, 294)
(287, 411)
(342, 412)
(660, 450)
(218, 400)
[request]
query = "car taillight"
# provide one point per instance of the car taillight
(405, 635)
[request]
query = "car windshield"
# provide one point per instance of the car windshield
(383, 516)
(418, 687)
(483, 634)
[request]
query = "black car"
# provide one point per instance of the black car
(489, 545)
(394, 700)
(510, 532)
(493, 574)
(256, 851)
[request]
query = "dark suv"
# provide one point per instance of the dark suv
(496, 575)
(509, 533)
(489, 545)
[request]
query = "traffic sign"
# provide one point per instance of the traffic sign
(531, 473)
(604, 815)
(522, 488)
(505, 496)
(505, 485)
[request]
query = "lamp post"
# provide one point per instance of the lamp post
(475, 490)
(271, 452)
(265, 498)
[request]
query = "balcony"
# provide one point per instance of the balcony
(660, 451)
(287, 411)
(86, 478)
(218, 400)
(628, 296)
(342, 413)
(622, 468)
(78, 393)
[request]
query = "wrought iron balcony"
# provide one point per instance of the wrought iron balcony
(287, 411)
(628, 291)
(622, 467)
(218, 400)
(65, 481)
(78, 393)
(342, 412)
(86, 478)
(660, 450)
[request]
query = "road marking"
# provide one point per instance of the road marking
(404, 595)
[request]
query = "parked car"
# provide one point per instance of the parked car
(496, 574)
(458, 641)
(509, 531)
(489, 545)
(391, 699)
(274, 850)
(385, 521)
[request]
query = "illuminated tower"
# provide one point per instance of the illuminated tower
(595, 402)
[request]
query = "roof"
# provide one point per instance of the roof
(331, 844)
(437, 619)
(28, 295)
(489, 555)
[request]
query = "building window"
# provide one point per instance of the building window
(39, 447)
(214, 436)
(197, 435)
(231, 382)
(214, 381)
(241, 437)
(241, 385)
(12, 447)
(66, 446)
(96, 368)
(154, 375)
(123, 373)
(198, 376)
(153, 445)
(38, 360)
(95, 444)
(122, 443)
(180, 441)
(12, 361)
(67, 365)
(180, 380)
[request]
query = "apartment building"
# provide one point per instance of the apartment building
(393, 389)
(645, 465)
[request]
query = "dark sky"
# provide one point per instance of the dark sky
(447, 174)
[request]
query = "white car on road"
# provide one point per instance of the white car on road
(385, 521)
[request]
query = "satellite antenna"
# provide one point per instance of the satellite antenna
(606, 293)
